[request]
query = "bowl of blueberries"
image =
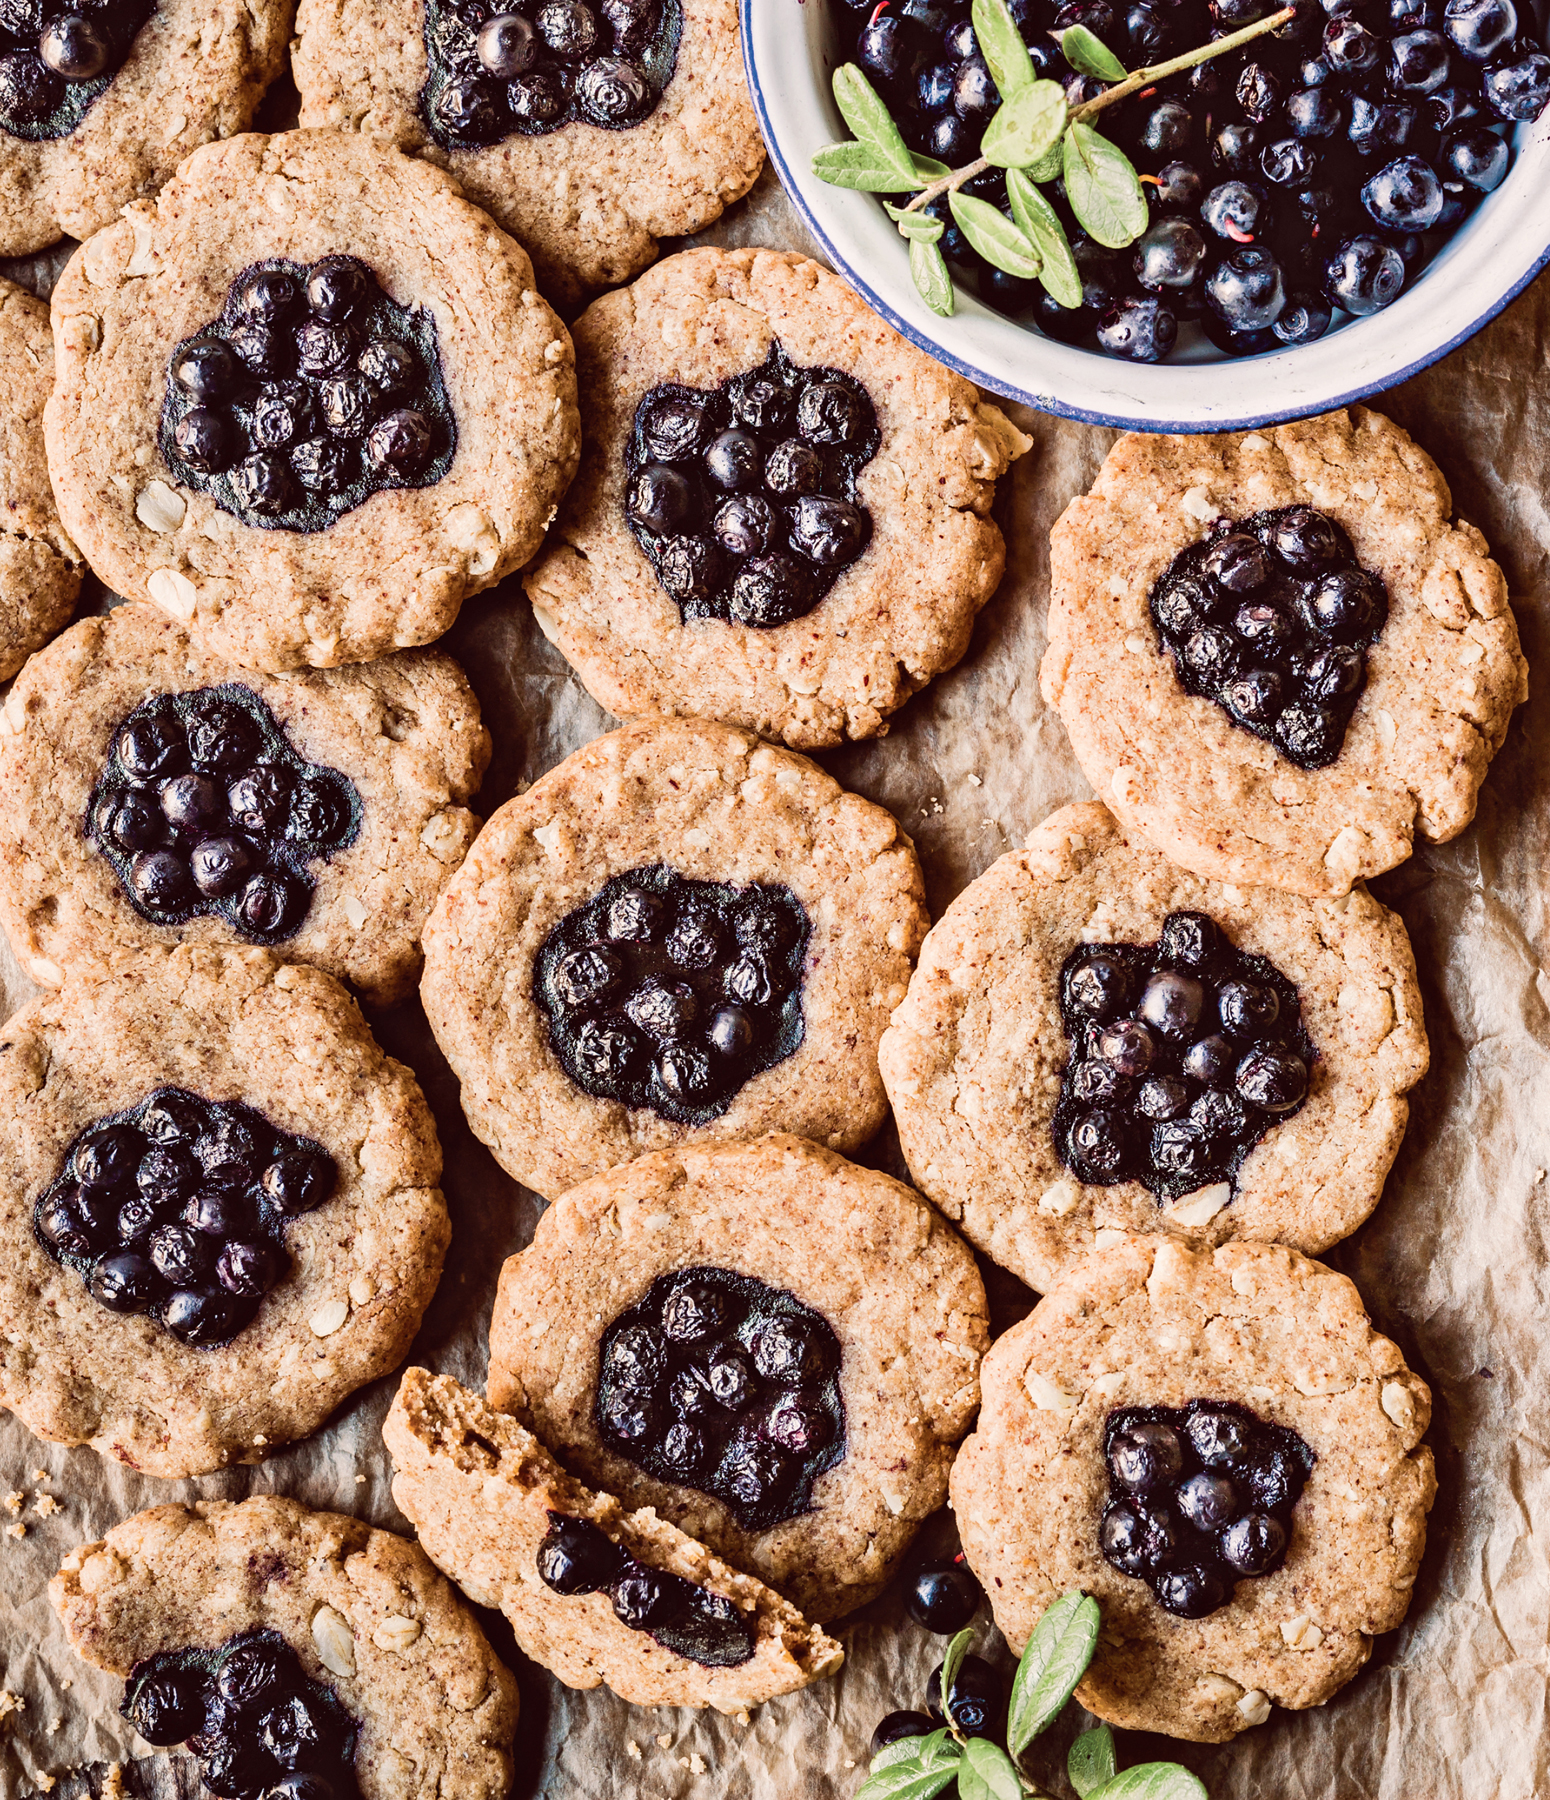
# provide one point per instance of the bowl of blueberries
(1319, 211)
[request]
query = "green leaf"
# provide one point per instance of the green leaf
(863, 110)
(1048, 167)
(925, 1767)
(1103, 189)
(1044, 231)
(923, 225)
(929, 272)
(1153, 1781)
(1090, 1762)
(1001, 44)
(987, 1773)
(1027, 128)
(1088, 55)
(856, 165)
(1057, 1656)
(958, 1648)
(929, 169)
(1001, 242)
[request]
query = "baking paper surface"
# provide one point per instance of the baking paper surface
(1454, 1265)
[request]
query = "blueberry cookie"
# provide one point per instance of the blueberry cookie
(1274, 653)
(303, 1653)
(678, 934)
(40, 569)
(587, 128)
(1095, 1038)
(100, 100)
(152, 793)
(773, 1348)
(220, 1208)
(1218, 1447)
(308, 401)
(782, 517)
(593, 1592)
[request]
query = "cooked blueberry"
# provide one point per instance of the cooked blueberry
(575, 1557)
(1162, 1098)
(166, 1175)
(732, 460)
(1145, 1455)
(1191, 1592)
(219, 1212)
(1096, 1144)
(136, 1220)
(247, 1266)
(64, 1228)
(729, 1375)
(299, 1786)
(1097, 1083)
(694, 1309)
(743, 525)
(538, 99)
(797, 1426)
(793, 468)
(1207, 1501)
(159, 880)
(769, 591)
(689, 568)
(402, 441)
(264, 349)
(207, 371)
(297, 1732)
(167, 1706)
(831, 532)
(260, 801)
(253, 1673)
(635, 1357)
(663, 1010)
(107, 1156)
(180, 1256)
(272, 905)
(896, 1725)
(608, 1054)
(635, 916)
(660, 498)
(1255, 697)
(235, 1767)
(1172, 1004)
(944, 1597)
(1098, 986)
(75, 47)
(1273, 1479)
(1251, 1544)
(760, 402)
(630, 1414)
(262, 484)
(646, 1599)
(973, 1702)
(673, 428)
(695, 942)
(684, 1072)
(1127, 1046)
(207, 439)
(586, 975)
(124, 1281)
(1272, 1079)
(1124, 1539)
(29, 91)
(298, 1180)
(1211, 655)
(1217, 1437)
(755, 1474)
(219, 866)
(789, 1351)
(171, 1117)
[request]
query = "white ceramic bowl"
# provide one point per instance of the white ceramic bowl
(791, 49)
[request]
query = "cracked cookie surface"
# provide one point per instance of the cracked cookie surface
(899, 1289)
(40, 569)
(393, 571)
(716, 805)
(1442, 678)
(365, 1611)
(898, 615)
(1150, 1322)
(482, 1492)
(196, 71)
(359, 1269)
(587, 203)
(404, 730)
(973, 1059)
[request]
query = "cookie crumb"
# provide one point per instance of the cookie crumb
(113, 1783)
(742, 1716)
(40, 1475)
(696, 1764)
(974, 781)
(44, 1504)
(17, 1530)
(632, 1749)
(666, 1740)
(1539, 1175)
(260, 1441)
(10, 1703)
(360, 1481)
(14, 1502)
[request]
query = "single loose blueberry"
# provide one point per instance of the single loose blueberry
(674, 428)
(973, 1702)
(1140, 330)
(943, 1597)
(1171, 254)
(1477, 156)
(896, 1725)
(1404, 195)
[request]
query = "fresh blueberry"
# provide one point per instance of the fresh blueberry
(1170, 254)
(1246, 290)
(1480, 29)
(1364, 275)
(1518, 88)
(973, 1702)
(896, 1725)
(1139, 330)
(943, 1597)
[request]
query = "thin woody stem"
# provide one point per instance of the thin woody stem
(1122, 90)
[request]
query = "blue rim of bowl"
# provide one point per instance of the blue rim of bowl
(1044, 402)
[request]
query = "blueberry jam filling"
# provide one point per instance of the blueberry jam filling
(203, 806)
(311, 392)
(744, 496)
(1184, 1054)
(718, 1382)
(1309, 176)
(529, 68)
(577, 1557)
(178, 1207)
(668, 993)
(58, 56)
(1272, 620)
(260, 1726)
(1200, 1497)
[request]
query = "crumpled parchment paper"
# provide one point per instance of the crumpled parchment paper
(1455, 1264)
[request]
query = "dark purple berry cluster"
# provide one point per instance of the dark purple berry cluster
(716, 1381)
(578, 1557)
(744, 496)
(1312, 173)
(311, 392)
(178, 1208)
(669, 993)
(975, 1706)
(1184, 1053)
(260, 1726)
(1200, 1497)
(57, 56)
(1272, 619)
(531, 67)
(203, 806)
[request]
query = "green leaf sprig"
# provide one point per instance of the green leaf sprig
(1058, 1652)
(1036, 137)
